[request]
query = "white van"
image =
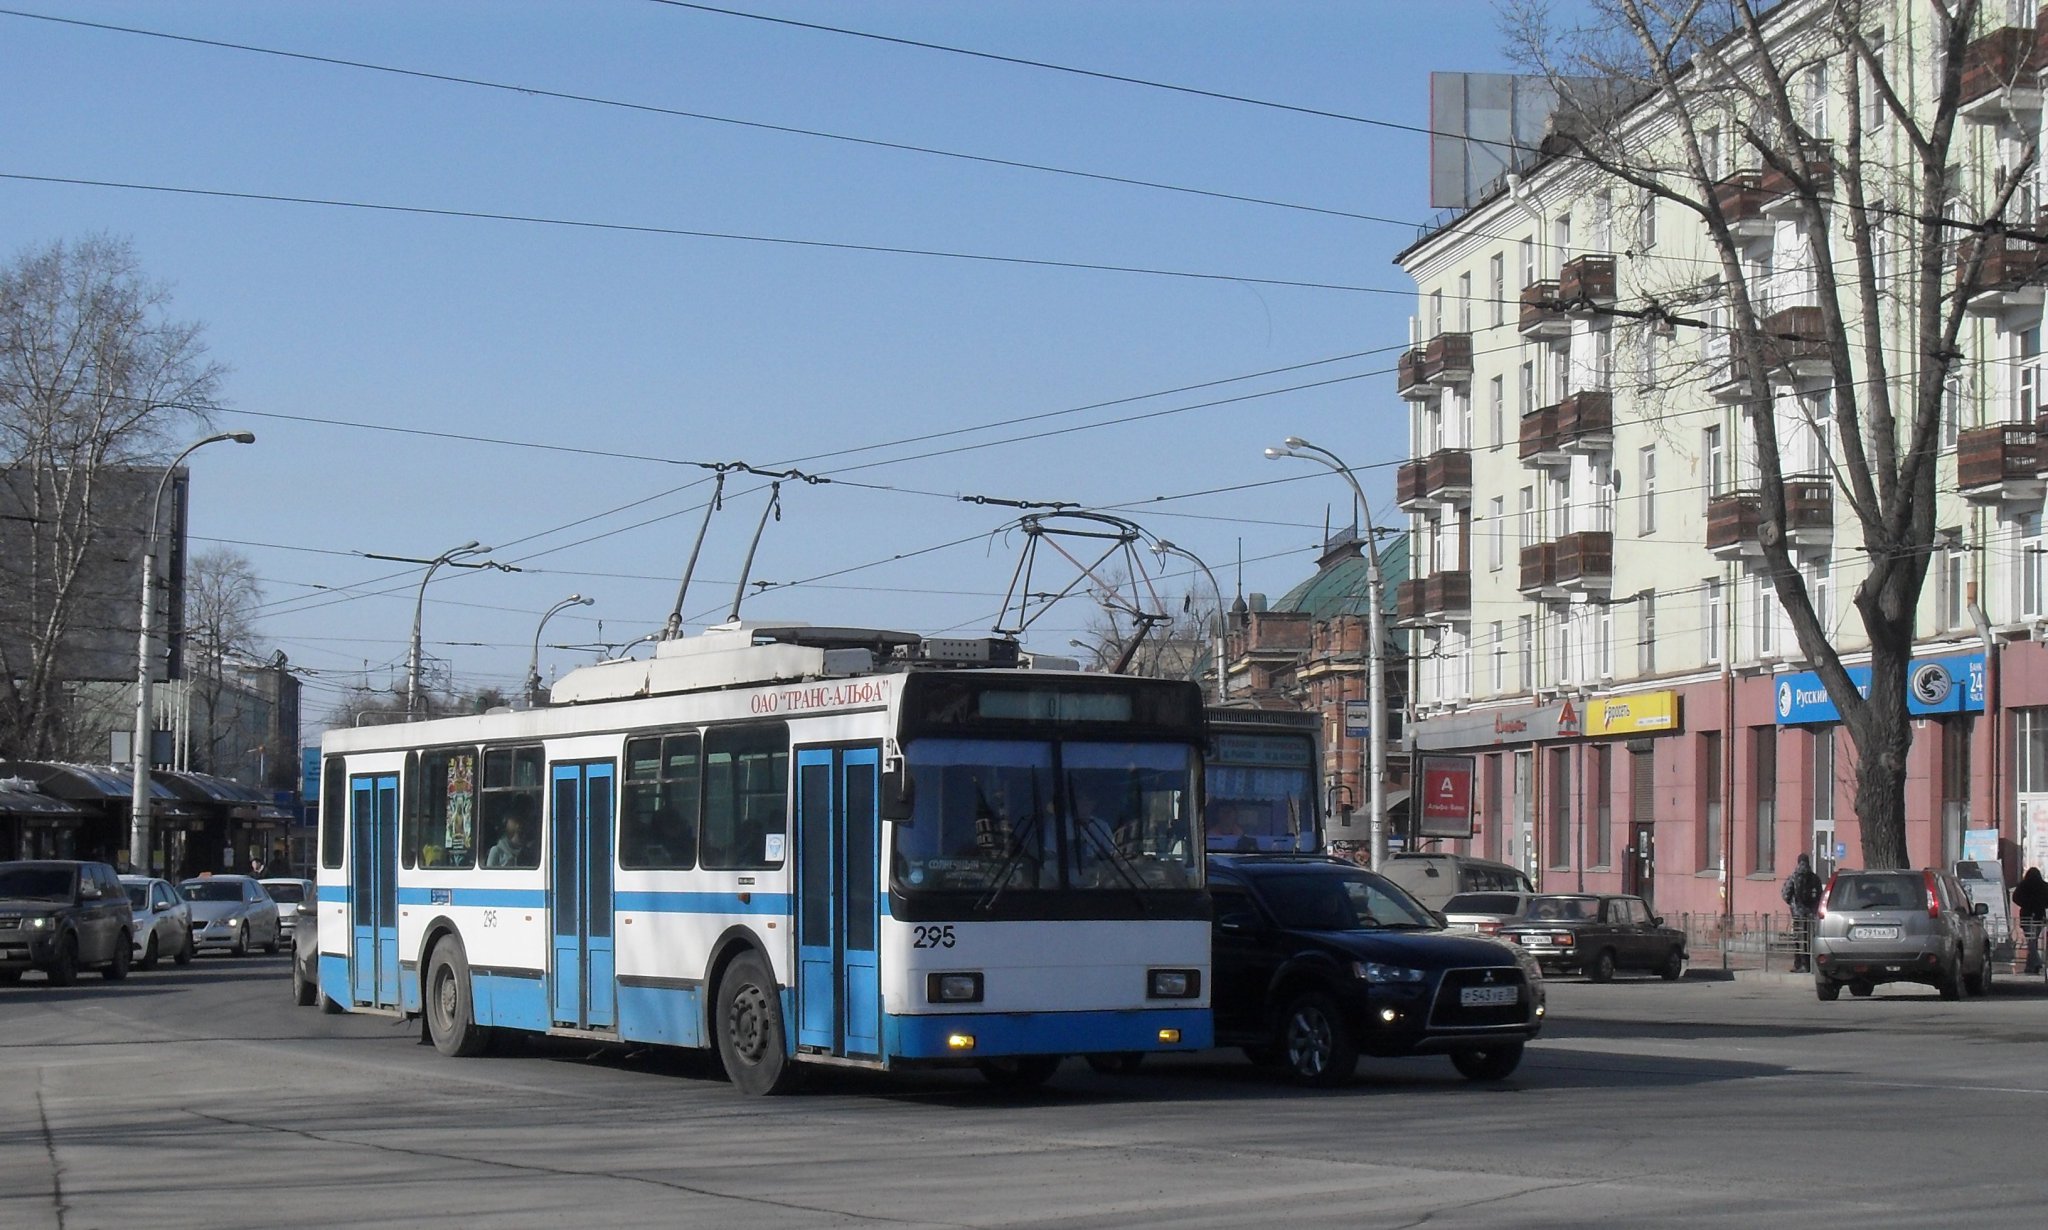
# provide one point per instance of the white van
(1435, 878)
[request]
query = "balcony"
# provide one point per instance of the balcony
(1445, 359)
(1781, 198)
(1585, 561)
(1796, 339)
(1732, 521)
(1585, 423)
(1726, 378)
(1999, 464)
(1542, 318)
(1539, 571)
(1442, 597)
(2008, 277)
(1742, 206)
(1443, 477)
(2001, 78)
(1541, 444)
(1587, 282)
(1809, 511)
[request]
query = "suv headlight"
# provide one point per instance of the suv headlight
(39, 922)
(1373, 971)
(234, 922)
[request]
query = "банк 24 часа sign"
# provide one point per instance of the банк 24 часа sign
(1953, 683)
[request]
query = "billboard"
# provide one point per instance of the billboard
(1446, 807)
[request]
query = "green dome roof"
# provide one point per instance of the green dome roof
(1338, 588)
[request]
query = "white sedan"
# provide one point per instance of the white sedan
(233, 913)
(163, 921)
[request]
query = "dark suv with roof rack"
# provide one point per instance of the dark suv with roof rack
(57, 915)
(1317, 961)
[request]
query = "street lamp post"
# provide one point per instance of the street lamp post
(1376, 684)
(139, 793)
(533, 663)
(412, 657)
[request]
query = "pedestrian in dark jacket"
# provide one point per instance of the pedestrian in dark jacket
(2030, 898)
(1801, 893)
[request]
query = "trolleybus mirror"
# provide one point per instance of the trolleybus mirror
(899, 793)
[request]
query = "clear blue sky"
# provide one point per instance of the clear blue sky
(668, 348)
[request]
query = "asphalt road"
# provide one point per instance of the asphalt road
(200, 1097)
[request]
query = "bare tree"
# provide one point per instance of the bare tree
(221, 597)
(95, 379)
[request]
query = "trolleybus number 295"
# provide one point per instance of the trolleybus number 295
(933, 937)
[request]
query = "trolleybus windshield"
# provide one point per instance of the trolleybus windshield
(1027, 816)
(1261, 793)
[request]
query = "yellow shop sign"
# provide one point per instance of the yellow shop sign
(1639, 713)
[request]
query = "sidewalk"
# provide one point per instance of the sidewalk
(2005, 980)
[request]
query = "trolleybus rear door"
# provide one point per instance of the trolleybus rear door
(581, 879)
(839, 992)
(373, 889)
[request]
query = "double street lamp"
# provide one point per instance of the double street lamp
(1376, 683)
(412, 657)
(533, 663)
(139, 796)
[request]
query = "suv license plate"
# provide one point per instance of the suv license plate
(1873, 933)
(1474, 997)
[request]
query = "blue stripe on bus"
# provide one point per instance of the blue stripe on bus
(700, 903)
(1046, 1033)
(489, 898)
(671, 1016)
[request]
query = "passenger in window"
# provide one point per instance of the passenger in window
(514, 849)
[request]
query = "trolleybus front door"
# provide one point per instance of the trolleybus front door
(838, 982)
(581, 880)
(373, 889)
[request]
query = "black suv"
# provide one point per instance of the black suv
(58, 915)
(1317, 961)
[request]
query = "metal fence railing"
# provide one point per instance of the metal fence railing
(1768, 942)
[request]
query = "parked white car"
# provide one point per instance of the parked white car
(163, 921)
(289, 894)
(232, 912)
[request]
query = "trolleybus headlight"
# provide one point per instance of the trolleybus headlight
(953, 988)
(960, 1042)
(1173, 983)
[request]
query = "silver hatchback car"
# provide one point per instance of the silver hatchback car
(1899, 926)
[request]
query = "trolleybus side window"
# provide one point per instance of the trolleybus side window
(409, 814)
(333, 812)
(659, 826)
(511, 807)
(441, 815)
(746, 796)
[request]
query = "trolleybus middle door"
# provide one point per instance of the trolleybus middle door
(839, 992)
(373, 889)
(580, 877)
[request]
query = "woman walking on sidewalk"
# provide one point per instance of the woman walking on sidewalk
(2030, 898)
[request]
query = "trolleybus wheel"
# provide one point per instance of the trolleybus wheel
(750, 1033)
(1019, 1071)
(451, 1012)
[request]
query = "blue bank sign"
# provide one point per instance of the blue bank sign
(1950, 684)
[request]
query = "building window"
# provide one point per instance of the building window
(1499, 279)
(1713, 463)
(1646, 634)
(1649, 353)
(1646, 497)
(1497, 409)
(1561, 237)
(1526, 529)
(1436, 312)
(1955, 571)
(1710, 800)
(1602, 376)
(1874, 111)
(1763, 781)
(1955, 787)
(2027, 565)
(1951, 410)
(1464, 303)
(1525, 636)
(1461, 403)
(1710, 622)
(1500, 658)
(1528, 388)
(1496, 532)
(1646, 223)
(1766, 617)
(1529, 260)
(1560, 768)
(1820, 584)
(1600, 800)
(2027, 375)
(1603, 221)
(1606, 641)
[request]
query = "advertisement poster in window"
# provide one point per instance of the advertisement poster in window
(461, 803)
